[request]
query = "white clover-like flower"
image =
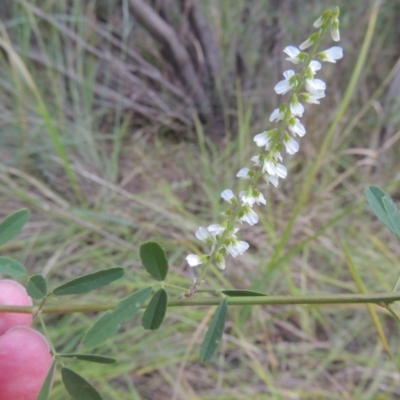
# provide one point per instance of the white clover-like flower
(332, 54)
(274, 168)
(335, 30)
(249, 216)
(244, 173)
(262, 139)
(204, 235)
(251, 197)
(256, 160)
(293, 53)
(286, 85)
(274, 179)
(319, 22)
(194, 260)
(314, 67)
(237, 247)
(315, 85)
(306, 44)
(277, 115)
(296, 127)
(314, 97)
(296, 108)
(215, 229)
(292, 147)
(220, 261)
(228, 196)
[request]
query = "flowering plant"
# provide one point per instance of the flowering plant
(268, 164)
(21, 345)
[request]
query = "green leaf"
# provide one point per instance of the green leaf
(214, 332)
(154, 260)
(11, 267)
(89, 282)
(108, 324)
(380, 202)
(78, 387)
(37, 287)
(155, 311)
(45, 390)
(393, 215)
(90, 357)
(12, 225)
(242, 293)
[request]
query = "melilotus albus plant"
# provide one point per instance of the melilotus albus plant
(26, 353)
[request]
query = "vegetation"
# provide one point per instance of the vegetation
(106, 159)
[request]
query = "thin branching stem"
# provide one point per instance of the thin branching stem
(382, 299)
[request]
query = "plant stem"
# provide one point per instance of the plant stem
(382, 299)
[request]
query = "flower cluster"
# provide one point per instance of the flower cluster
(269, 163)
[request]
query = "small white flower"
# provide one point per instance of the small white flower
(286, 85)
(204, 235)
(277, 115)
(306, 44)
(293, 53)
(296, 108)
(335, 30)
(281, 171)
(228, 196)
(274, 179)
(256, 160)
(193, 260)
(220, 261)
(292, 147)
(314, 67)
(315, 85)
(314, 97)
(243, 173)
(251, 197)
(296, 127)
(318, 23)
(274, 168)
(237, 247)
(262, 139)
(332, 54)
(215, 229)
(269, 167)
(249, 216)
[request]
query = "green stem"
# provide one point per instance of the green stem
(382, 299)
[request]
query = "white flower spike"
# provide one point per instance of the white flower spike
(268, 163)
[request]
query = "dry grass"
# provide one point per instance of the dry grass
(140, 180)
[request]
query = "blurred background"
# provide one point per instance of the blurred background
(122, 121)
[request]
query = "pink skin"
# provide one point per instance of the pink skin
(12, 293)
(24, 363)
